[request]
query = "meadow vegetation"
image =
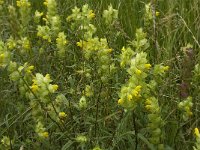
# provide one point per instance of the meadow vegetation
(99, 75)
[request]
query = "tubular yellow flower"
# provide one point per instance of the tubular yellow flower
(29, 69)
(138, 72)
(157, 13)
(147, 66)
(166, 68)
(135, 93)
(120, 101)
(2, 56)
(45, 134)
(91, 15)
(123, 49)
(138, 88)
(129, 97)
(196, 132)
(47, 77)
(62, 115)
(55, 87)
(34, 87)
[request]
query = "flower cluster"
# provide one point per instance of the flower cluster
(186, 106)
(52, 19)
(41, 131)
(81, 20)
(52, 16)
(110, 15)
(24, 10)
(155, 121)
(4, 55)
(197, 135)
(126, 55)
(98, 48)
(132, 91)
(61, 42)
(38, 15)
(44, 32)
(140, 43)
(41, 87)
(148, 15)
(11, 43)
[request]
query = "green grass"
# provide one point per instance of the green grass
(104, 122)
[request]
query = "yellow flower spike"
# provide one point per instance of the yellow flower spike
(62, 115)
(34, 88)
(147, 66)
(196, 132)
(120, 101)
(130, 97)
(138, 72)
(45, 134)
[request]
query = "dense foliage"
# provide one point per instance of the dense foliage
(73, 75)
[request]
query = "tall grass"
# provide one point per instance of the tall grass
(109, 125)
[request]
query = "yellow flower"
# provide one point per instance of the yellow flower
(47, 78)
(130, 97)
(122, 64)
(91, 15)
(29, 69)
(120, 101)
(147, 66)
(55, 87)
(62, 115)
(45, 134)
(166, 68)
(81, 44)
(135, 93)
(34, 87)
(196, 132)
(157, 13)
(2, 56)
(138, 88)
(138, 72)
(23, 3)
(123, 49)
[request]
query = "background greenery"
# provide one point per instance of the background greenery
(177, 25)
